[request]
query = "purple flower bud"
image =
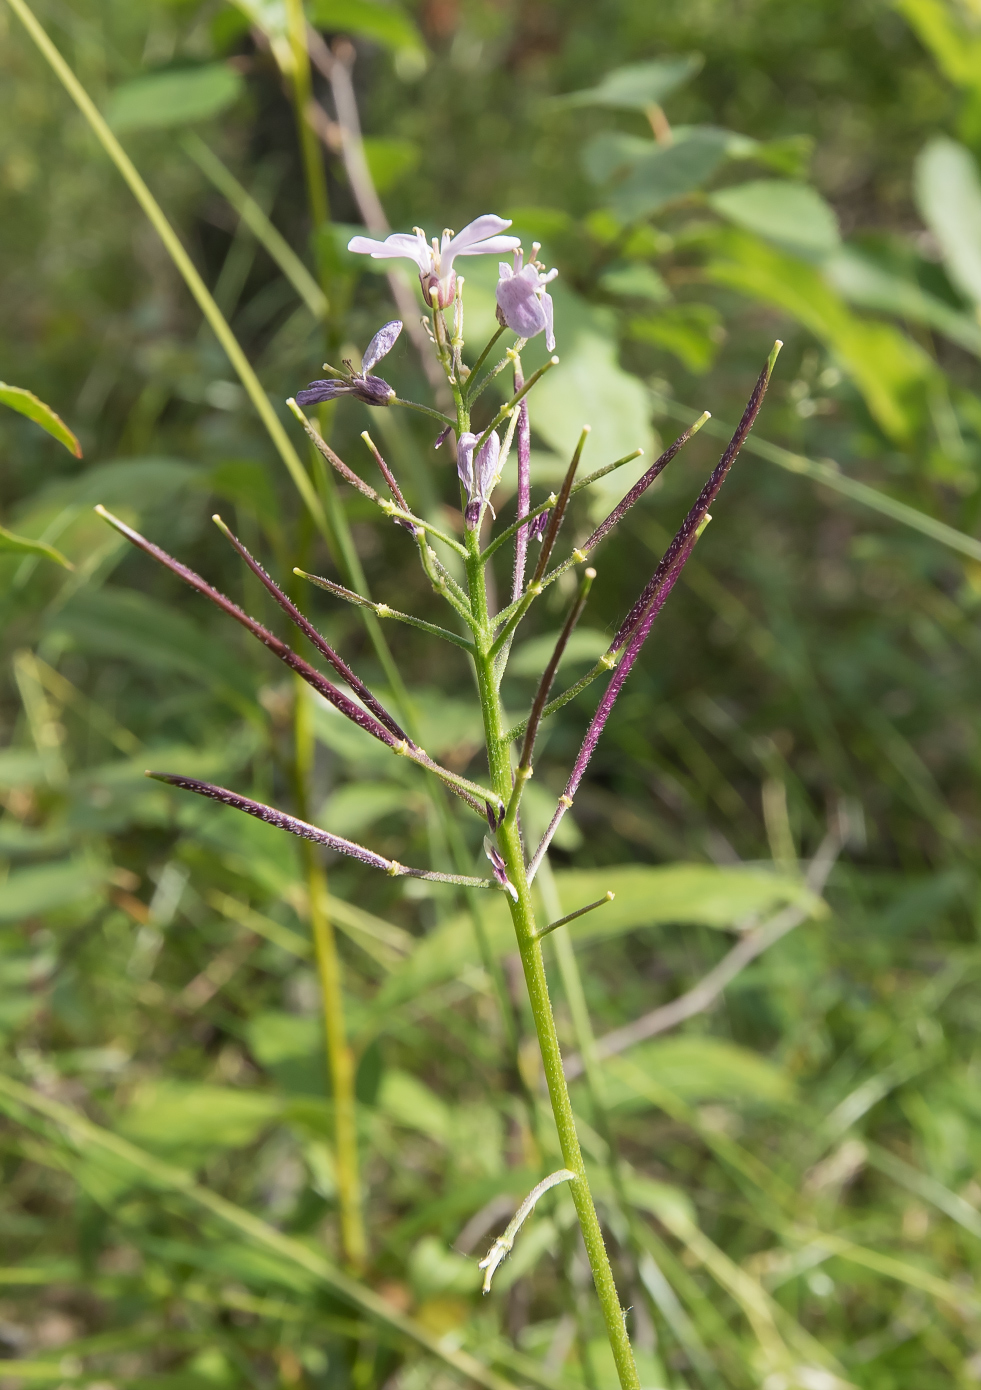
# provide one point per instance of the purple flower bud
(499, 867)
(523, 304)
(480, 476)
(370, 389)
(381, 344)
(442, 437)
(536, 527)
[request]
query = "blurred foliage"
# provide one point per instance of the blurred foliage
(799, 1201)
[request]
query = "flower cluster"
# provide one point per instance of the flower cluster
(371, 390)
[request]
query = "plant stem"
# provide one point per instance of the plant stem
(340, 1060)
(533, 964)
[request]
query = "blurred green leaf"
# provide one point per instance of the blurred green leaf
(531, 658)
(636, 281)
(669, 172)
(32, 892)
(700, 1068)
(891, 372)
(386, 24)
(8, 541)
(638, 85)
(389, 161)
(678, 894)
(410, 1103)
(358, 805)
(188, 1119)
(173, 97)
(26, 403)
(791, 215)
(692, 332)
(863, 281)
(611, 152)
(948, 195)
(21, 767)
(956, 48)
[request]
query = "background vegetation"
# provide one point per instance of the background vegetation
(796, 1200)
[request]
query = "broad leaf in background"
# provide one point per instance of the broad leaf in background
(26, 403)
(956, 48)
(174, 97)
(948, 195)
(639, 86)
(676, 894)
(387, 24)
(28, 893)
(668, 172)
(186, 1120)
(700, 1068)
(791, 215)
(862, 280)
(890, 370)
(692, 332)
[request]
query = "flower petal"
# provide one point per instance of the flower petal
(523, 312)
(493, 246)
(549, 328)
(381, 343)
(479, 229)
(399, 244)
(322, 391)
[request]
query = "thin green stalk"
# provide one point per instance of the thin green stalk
(488, 349)
(313, 168)
(529, 947)
(258, 224)
(178, 255)
(340, 1059)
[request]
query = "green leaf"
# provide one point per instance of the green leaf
(187, 1119)
(358, 805)
(8, 541)
(692, 332)
(47, 888)
(948, 195)
(892, 373)
(675, 894)
(612, 152)
(387, 24)
(390, 160)
(863, 281)
(410, 1103)
(956, 48)
(567, 399)
(26, 403)
(531, 658)
(791, 215)
(21, 767)
(638, 85)
(669, 172)
(700, 1068)
(174, 97)
(635, 281)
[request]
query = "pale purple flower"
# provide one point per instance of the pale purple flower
(372, 390)
(480, 476)
(523, 303)
(435, 259)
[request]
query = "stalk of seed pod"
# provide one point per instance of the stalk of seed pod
(642, 484)
(636, 627)
(702, 503)
(271, 816)
(524, 487)
(296, 663)
(310, 632)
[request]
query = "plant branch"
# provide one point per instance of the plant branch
(382, 610)
(270, 815)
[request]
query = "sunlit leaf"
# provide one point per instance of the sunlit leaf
(387, 24)
(26, 403)
(692, 332)
(407, 1101)
(701, 1068)
(863, 281)
(189, 1118)
(669, 172)
(585, 644)
(10, 541)
(635, 281)
(948, 195)
(390, 160)
(173, 97)
(49, 887)
(792, 215)
(638, 85)
(890, 370)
